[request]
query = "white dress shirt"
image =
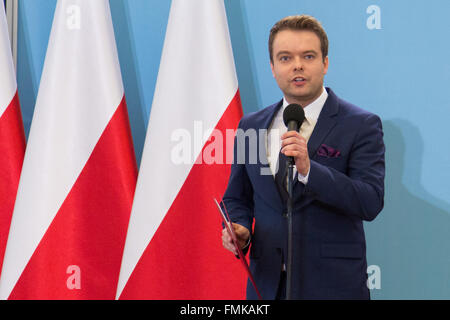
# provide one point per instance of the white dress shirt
(278, 128)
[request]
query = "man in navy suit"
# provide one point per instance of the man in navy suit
(338, 183)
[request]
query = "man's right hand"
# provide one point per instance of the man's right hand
(242, 234)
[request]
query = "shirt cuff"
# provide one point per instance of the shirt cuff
(303, 179)
(245, 247)
(248, 242)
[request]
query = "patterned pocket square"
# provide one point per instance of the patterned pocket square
(327, 151)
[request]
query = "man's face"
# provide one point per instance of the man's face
(298, 65)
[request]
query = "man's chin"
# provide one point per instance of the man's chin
(306, 96)
(302, 99)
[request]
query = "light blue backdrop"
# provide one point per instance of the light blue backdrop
(400, 70)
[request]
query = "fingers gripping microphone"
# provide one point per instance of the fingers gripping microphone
(293, 117)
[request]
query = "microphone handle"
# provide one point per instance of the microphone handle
(292, 126)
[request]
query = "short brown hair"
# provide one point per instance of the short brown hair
(300, 22)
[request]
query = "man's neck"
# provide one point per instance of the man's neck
(304, 103)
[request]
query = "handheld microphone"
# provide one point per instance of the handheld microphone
(293, 117)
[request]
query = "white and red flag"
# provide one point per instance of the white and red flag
(12, 137)
(173, 248)
(75, 193)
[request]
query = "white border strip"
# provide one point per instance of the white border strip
(11, 16)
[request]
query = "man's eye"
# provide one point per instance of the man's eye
(284, 58)
(309, 57)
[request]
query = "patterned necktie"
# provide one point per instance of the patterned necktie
(281, 177)
(307, 128)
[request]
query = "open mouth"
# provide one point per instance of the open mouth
(299, 80)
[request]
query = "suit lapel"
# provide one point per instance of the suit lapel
(326, 122)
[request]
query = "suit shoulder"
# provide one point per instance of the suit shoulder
(348, 109)
(248, 120)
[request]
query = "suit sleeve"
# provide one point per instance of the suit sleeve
(238, 197)
(359, 192)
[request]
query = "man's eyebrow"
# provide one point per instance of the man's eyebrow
(282, 52)
(288, 52)
(310, 51)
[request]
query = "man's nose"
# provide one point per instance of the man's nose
(298, 64)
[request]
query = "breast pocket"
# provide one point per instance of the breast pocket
(338, 163)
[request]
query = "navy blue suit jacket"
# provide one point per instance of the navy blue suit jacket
(345, 187)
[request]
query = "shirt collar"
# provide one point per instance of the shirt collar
(313, 109)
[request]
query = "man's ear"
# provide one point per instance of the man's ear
(271, 68)
(326, 63)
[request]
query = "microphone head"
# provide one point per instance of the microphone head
(294, 112)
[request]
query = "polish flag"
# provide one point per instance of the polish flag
(75, 193)
(173, 248)
(12, 137)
